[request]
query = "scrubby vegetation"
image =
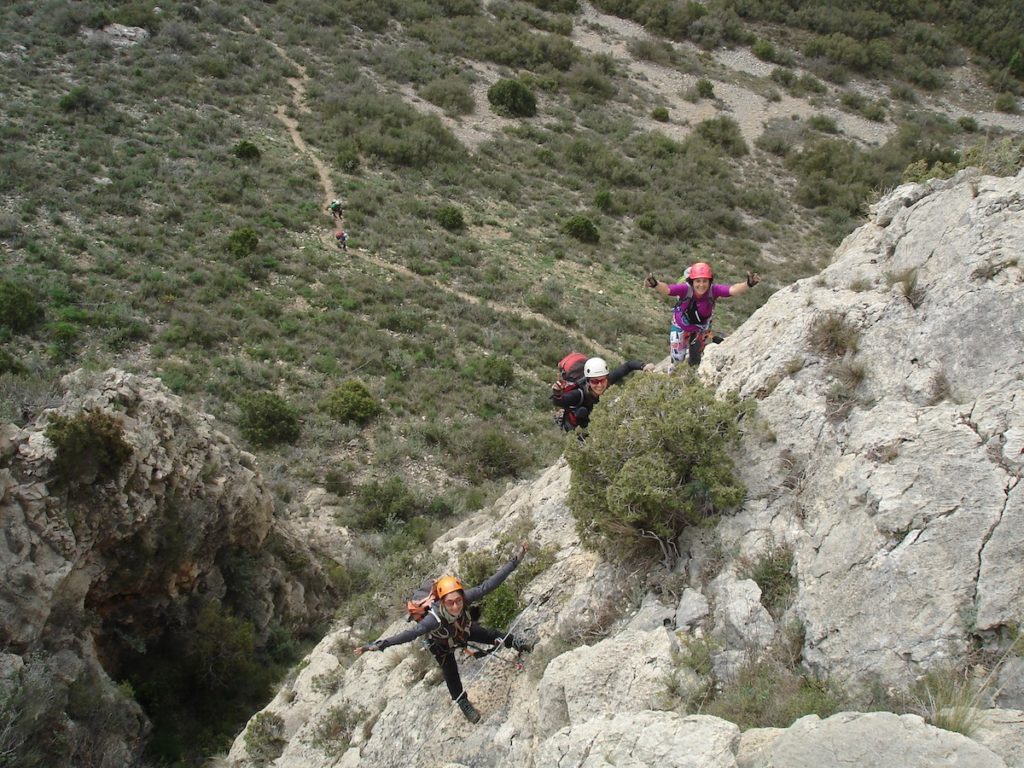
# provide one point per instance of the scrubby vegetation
(638, 481)
(90, 447)
(140, 230)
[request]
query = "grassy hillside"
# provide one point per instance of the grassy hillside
(158, 214)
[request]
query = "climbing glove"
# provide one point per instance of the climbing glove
(753, 279)
(651, 281)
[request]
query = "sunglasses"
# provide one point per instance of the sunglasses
(602, 380)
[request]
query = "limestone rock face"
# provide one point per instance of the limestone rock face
(893, 471)
(872, 740)
(885, 455)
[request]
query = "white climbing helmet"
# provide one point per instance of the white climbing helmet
(595, 368)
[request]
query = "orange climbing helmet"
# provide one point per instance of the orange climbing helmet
(700, 270)
(446, 585)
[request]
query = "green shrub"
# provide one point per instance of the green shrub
(705, 88)
(764, 50)
(660, 114)
(968, 124)
(267, 419)
(766, 694)
(334, 731)
(723, 132)
(351, 402)
(823, 123)
(452, 94)
(90, 447)
(489, 451)
(500, 608)
(246, 150)
(494, 369)
(773, 573)
(19, 308)
(383, 505)
(80, 99)
(1006, 102)
(512, 98)
(62, 337)
(641, 479)
(450, 217)
(950, 698)
(242, 242)
(264, 738)
(347, 158)
(582, 228)
(10, 364)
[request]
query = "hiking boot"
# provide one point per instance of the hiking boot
(717, 338)
(468, 710)
(523, 646)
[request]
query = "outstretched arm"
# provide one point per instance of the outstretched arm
(624, 370)
(427, 624)
(475, 593)
(652, 282)
(739, 289)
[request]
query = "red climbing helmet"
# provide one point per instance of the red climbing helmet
(701, 270)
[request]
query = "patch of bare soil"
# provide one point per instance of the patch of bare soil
(601, 33)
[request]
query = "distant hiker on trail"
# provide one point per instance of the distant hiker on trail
(336, 209)
(577, 395)
(691, 318)
(341, 237)
(448, 625)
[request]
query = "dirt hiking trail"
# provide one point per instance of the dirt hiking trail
(298, 85)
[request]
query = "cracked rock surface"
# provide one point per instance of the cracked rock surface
(891, 470)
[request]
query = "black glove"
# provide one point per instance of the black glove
(651, 281)
(753, 279)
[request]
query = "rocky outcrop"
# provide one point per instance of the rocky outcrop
(884, 457)
(98, 563)
(894, 470)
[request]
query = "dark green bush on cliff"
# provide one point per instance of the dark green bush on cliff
(656, 461)
(90, 447)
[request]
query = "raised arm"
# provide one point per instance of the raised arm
(617, 375)
(738, 289)
(475, 593)
(652, 282)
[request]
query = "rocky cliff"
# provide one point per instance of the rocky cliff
(885, 458)
(110, 540)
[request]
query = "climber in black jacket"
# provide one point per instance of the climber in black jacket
(448, 625)
(578, 400)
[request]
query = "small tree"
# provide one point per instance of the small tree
(267, 419)
(450, 217)
(246, 150)
(242, 242)
(351, 402)
(655, 462)
(512, 98)
(19, 309)
(582, 228)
